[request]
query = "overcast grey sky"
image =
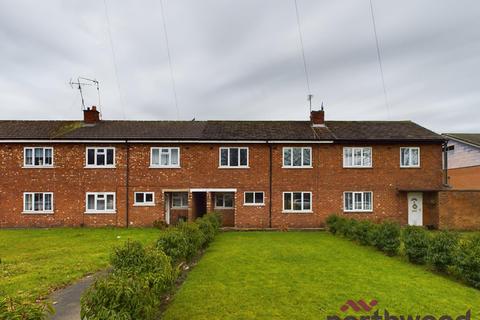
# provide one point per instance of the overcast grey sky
(241, 59)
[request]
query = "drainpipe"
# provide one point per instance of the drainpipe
(127, 184)
(270, 181)
(445, 163)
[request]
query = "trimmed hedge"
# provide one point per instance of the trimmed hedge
(468, 261)
(141, 275)
(416, 241)
(443, 250)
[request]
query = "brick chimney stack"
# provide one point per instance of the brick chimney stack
(91, 115)
(317, 118)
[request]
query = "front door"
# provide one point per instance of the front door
(167, 208)
(415, 208)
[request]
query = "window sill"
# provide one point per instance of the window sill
(38, 167)
(238, 167)
(164, 167)
(359, 167)
(144, 204)
(357, 211)
(37, 212)
(100, 212)
(412, 167)
(224, 208)
(100, 167)
(179, 208)
(297, 211)
(300, 167)
(254, 204)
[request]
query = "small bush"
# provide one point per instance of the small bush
(442, 250)
(388, 238)
(16, 308)
(468, 261)
(160, 224)
(207, 228)
(174, 243)
(416, 241)
(332, 223)
(194, 236)
(372, 234)
(343, 226)
(215, 219)
(362, 230)
(351, 228)
(122, 296)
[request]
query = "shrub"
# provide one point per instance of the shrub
(134, 258)
(442, 250)
(215, 219)
(207, 228)
(194, 236)
(342, 226)
(16, 308)
(416, 241)
(332, 223)
(372, 234)
(468, 261)
(350, 229)
(160, 224)
(123, 296)
(362, 230)
(388, 237)
(174, 243)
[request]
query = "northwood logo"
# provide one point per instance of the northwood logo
(360, 305)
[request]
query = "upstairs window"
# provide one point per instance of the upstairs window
(38, 202)
(224, 200)
(180, 200)
(144, 199)
(358, 201)
(297, 202)
(38, 157)
(100, 157)
(357, 157)
(100, 202)
(410, 157)
(233, 157)
(297, 157)
(165, 157)
(253, 198)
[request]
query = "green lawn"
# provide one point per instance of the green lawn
(308, 275)
(36, 261)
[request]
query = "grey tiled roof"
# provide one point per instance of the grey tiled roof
(472, 138)
(217, 130)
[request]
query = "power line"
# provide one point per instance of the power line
(379, 57)
(174, 88)
(114, 59)
(302, 49)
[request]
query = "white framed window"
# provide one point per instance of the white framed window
(254, 198)
(233, 157)
(357, 157)
(38, 156)
(409, 157)
(297, 157)
(358, 201)
(100, 157)
(179, 200)
(297, 202)
(144, 199)
(224, 200)
(38, 202)
(100, 202)
(165, 157)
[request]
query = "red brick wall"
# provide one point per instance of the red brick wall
(459, 209)
(464, 178)
(327, 181)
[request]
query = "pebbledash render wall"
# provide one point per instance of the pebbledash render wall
(69, 180)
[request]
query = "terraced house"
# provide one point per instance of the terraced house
(260, 174)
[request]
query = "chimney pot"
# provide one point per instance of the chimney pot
(91, 115)
(317, 118)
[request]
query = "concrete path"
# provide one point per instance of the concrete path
(67, 301)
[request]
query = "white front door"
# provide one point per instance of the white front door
(415, 208)
(167, 208)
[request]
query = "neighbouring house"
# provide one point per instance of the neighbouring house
(463, 160)
(259, 174)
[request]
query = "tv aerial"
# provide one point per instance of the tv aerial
(82, 81)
